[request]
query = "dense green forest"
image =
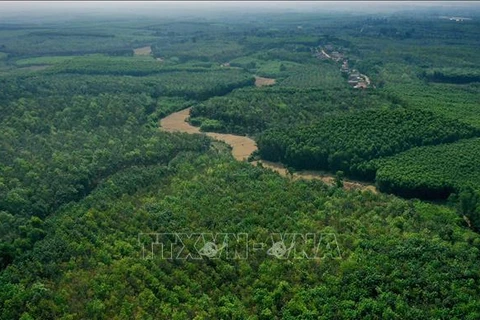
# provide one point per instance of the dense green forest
(62, 133)
(431, 172)
(177, 84)
(453, 75)
(397, 257)
(85, 170)
(345, 142)
(250, 111)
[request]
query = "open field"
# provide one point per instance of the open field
(143, 51)
(260, 81)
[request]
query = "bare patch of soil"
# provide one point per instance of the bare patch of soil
(260, 82)
(143, 51)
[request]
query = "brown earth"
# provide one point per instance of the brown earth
(260, 82)
(143, 51)
(243, 146)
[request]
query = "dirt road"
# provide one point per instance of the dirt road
(243, 146)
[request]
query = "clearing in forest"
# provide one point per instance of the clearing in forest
(260, 82)
(143, 51)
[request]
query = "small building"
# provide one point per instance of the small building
(355, 73)
(354, 76)
(337, 56)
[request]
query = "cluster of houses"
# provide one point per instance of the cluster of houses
(321, 53)
(457, 19)
(355, 78)
(358, 80)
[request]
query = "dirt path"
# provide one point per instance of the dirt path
(326, 54)
(243, 146)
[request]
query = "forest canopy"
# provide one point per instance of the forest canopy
(88, 177)
(347, 141)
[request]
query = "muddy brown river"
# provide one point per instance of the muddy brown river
(243, 146)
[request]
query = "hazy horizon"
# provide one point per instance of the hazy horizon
(71, 9)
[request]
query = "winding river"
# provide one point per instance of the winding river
(243, 146)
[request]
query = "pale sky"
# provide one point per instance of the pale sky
(18, 8)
